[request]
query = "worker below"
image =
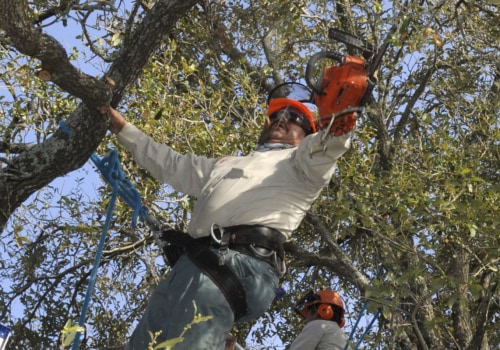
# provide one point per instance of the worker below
(246, 208)
(323, 314)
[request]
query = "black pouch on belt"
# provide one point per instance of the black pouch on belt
(173, 244)
(260, 236)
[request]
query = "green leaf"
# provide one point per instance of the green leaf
(69, 332)
(169, 344)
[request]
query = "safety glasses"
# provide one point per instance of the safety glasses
(296, 100)
(293, 117)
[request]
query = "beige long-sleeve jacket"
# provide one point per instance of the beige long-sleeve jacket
(273, 188)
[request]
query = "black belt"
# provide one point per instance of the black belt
(259, 237)
(257, 241)
(261, 242)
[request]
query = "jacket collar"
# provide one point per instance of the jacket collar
(272, 147)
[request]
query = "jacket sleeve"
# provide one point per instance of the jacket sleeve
(185, 173)
(316, 158)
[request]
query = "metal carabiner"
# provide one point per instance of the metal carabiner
(214, 227)
(223, 242)
(280, 265)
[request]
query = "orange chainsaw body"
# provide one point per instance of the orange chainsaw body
(342, 86)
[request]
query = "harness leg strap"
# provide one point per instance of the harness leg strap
(208, 262)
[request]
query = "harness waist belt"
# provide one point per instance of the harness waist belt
(258, 241)
(258, 237)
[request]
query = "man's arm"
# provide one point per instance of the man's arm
(317, 156)
(185, 173)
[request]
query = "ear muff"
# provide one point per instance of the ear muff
(325, 311)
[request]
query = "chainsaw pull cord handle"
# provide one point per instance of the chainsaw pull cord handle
(313, 61)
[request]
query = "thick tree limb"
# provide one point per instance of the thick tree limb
(15, 19)
(60, 154)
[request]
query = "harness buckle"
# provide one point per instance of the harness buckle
(222, 241)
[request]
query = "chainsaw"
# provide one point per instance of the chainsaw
(345, 86)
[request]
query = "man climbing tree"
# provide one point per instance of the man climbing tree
(247, 207)
(417, 193)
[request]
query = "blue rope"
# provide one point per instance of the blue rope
(97, 262)
(363, 309)
(109, 166)
(367, 329)
(356, 324)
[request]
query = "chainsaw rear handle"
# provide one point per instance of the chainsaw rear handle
(315, 85)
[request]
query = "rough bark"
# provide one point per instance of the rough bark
(61, 154)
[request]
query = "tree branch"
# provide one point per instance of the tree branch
(338, 262)
(61, 154)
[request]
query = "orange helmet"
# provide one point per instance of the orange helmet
(331, 306)
(296, 97)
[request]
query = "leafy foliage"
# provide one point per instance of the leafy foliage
(409, 225)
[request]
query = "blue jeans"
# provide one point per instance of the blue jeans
(186, 291)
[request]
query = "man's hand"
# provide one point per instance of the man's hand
(342, 124)
(116, 121)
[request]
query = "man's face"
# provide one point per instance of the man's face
(312, 314)
(282, 130)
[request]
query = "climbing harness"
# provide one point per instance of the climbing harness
(209, 254)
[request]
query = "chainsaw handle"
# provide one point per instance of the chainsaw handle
(314, 85)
